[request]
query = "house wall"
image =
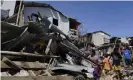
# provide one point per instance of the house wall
(124, 40)
(100, 38)
(73, 34)
(110, 49)
(8, 5)
(63, 22)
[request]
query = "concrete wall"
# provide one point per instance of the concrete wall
(63, 22)
(100, 38)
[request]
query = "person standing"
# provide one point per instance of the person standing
(116, 56)
(123, 59)
(106, 64)
(127, 56)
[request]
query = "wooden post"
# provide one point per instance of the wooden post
(48, 46)
(21, 17)
(19, 12)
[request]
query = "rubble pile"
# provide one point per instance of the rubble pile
(60, 56)
(41, 47)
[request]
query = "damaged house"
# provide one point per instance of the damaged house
(97, 40)
(20, 12)
(130, 39)
(73, 32)
(55, 16)
(97, 37)
(7, 11)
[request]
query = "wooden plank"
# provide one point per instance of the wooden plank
(30, 71)
(48, 46)
(30, 65)
(11, 64)
(23, 54)
(3, 65)
(47, 73)
(39, 78)
(64, 78)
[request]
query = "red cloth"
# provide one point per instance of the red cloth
(76, 26)
(121, 48)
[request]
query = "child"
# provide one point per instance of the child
(106, 64)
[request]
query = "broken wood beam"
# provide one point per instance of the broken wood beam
(11, 64)
(24, 54)
(79, 54)
(23, 65)
(4, 65)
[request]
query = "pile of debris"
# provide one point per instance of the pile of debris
(39, 48)
(37, 41)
